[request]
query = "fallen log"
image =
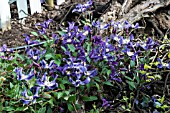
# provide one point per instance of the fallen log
(142, 10)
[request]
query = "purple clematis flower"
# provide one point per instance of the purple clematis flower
(30, 99)
(117, 26)
(149, 44)
(114, 75)
(5, 49)
(21, 76)
(56, 38)
(44, 64)
(87, 28)
(44, 25)
(78, 82)
(7, 58)
(131, 37)
(102, 50)
(105, 103)
(96, 24)
(34, 54)
(28, 41)
(127, 25)
(82, 7)
(71, 26)
(160, 65)
(79, 8)
(76, 70)
(42, 31)
(168, 65)
(155, 101)
(44, 82)
(91, 73)
(136, 26)
(97, 40)
(134, 56)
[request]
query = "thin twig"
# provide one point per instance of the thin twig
(135, 100)
(51, 91)
(156, 27)
(74, 107)
(165, 84)
(67, 14)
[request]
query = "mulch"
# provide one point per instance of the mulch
(14, 37)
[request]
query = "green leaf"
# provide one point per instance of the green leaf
(88, 59)
(46, 95)
(49, 110)
(70, 107)
(137, 78)
(132, 63)
(67, 92)
(58, 62)
(91, 98)
(60, 94)
(75, 54)
(11, 85)
(71, 47)
(123, 107)
(42, 110)
(58, 56)
(66, 98)
(108, 83)
(81, 88)
(161, 100)
(34, 33)
(23, 108)
(88, 87)
(132, 84)
(72, 98)
(19, 56)
(10, 68)
(51, 102)
(97, 79)
(164, 107)
(8, 108)
(78, 106)
(61, 33)
(84, 22)
(86, 98)
(45, 36)
(63, 48)
(123, 72)
(48, 56)
(128, 78)
(31, 82)
(88, 47)
(142, 60)
(97, 85)
(65, 82)
(32, 109)
(146, 66)
(169, 55)
(109, 72)
(62, 86)
(125, 98)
